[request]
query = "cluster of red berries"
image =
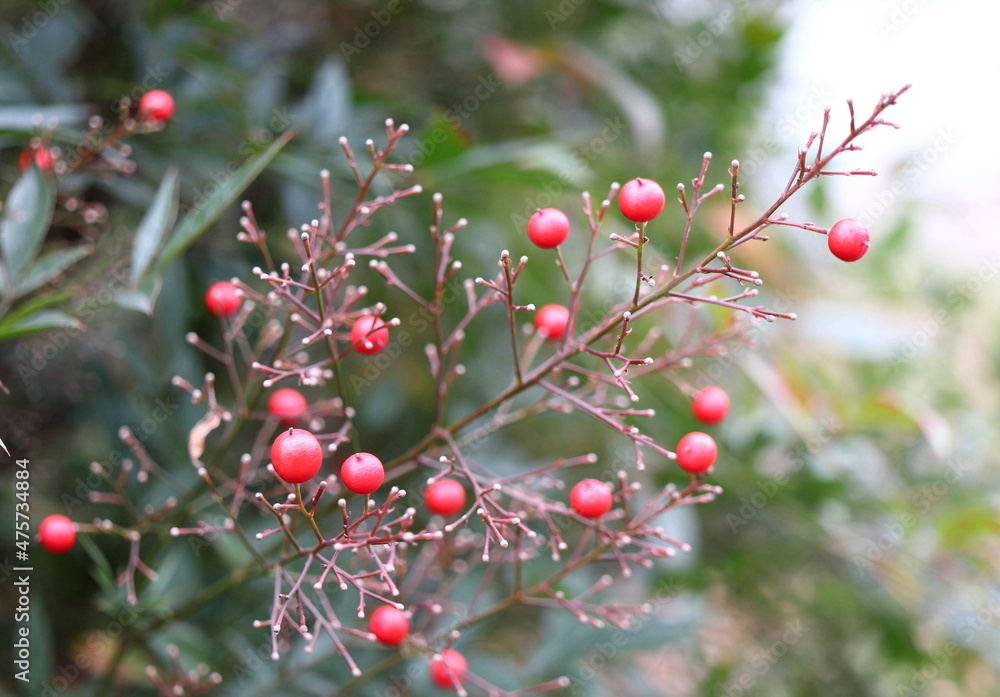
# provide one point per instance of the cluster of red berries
(390, 626)
(369, 333)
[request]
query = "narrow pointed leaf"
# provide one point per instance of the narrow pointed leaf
(154, 226)
(141, 299)
(38, 322)
(26, 218)
(33, 305)
(50, 265)
(201, 218)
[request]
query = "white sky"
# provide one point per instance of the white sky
(948, 145)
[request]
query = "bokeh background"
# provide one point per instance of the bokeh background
(853, 551)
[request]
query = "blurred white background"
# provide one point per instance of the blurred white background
(942, 164)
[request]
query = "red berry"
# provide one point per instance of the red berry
(450, 670)
(848, 240)
(551, 321)
(445, 497)
(57, 534)
(287, 404)
(296, 455)
(389, 625)
(369, 334)
(156, 105)
(548, 227)
(222, 299)
(641, 200)
(590, 498)
(362, 473)
(696, 452)
(710, 405)
(41, 156)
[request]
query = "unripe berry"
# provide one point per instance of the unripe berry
(287, 405)
(848, 240)
(222, 299)
(445, 497)
(641, 200)
(696, 452)
(450, 670)
(548, 228)
(590, 498)
(296, 455)
(57, 534)
(710, 405)
(551, 321)
(362, 473)
(41, 156)
(369, 334)
(156, 105)
(389, 625)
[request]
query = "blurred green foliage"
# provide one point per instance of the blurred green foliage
(854, 539)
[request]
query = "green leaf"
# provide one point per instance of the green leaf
(26, 218)
(158, 219)
(201, 218)
(49, 266)
(33, 305)
(38, 322)
(143, 298)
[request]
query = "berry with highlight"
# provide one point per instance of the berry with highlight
(551, 321)
(450, 670)
(590, 498)
(548, 228)
(369, 334)
(696, 452)
(641, 200)
(296, 455)
(362, 473)
(848, 240)
(57, 534)
(156, 105)
(710, 405)
(445, 497)
(389, 625)
(287, 405)
(222, 299)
